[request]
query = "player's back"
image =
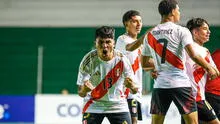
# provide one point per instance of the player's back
(166, 43)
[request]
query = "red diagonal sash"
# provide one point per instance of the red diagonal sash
(170, 57)
(110, 79)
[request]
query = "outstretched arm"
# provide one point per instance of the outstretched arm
(137, 43)
(212, 71)
(147, 63)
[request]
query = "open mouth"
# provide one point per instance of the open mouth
(104, 52)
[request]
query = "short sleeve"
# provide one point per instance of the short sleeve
(146, 48)
(186, 37)
(121, 44)
(83, 74)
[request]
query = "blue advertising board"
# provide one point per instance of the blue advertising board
(17, 108)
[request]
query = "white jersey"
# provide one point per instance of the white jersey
(100, 72)
(134, 58)
(165, 43)
(197, 75)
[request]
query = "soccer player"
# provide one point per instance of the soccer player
(103, 75)
(126, 44)
(212, 88)
(166, 43)
(199, 29)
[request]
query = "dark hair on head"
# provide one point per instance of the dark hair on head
(129, 14)
(195, 23)
(166, 6)
(105, 32)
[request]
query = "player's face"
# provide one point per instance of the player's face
(105, 48)
(201, 34)
(134, 25)
(176, 14)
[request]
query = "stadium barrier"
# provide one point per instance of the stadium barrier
(60, 109)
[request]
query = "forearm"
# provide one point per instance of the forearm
(85, 88)
(196, 57)
(136, 44)
(147, 63)
(148, 68)
(200, 61)
(212, 71)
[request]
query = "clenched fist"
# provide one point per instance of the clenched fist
(85, 88)
(130, 84)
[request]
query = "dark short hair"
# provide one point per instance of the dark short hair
(105, 32)
(195, 23)
(166, 6)
(129, 14)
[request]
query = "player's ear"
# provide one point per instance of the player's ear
(126, 24)
(172, 12)
(194, 32)
(113, 43)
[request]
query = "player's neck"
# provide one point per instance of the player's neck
(198, 41)
(167, 19)
(133, 36)
(106, 57)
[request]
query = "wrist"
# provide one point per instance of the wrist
(134, 89)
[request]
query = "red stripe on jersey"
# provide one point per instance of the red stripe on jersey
(126, 93)
(110, 79)
(170, 57)
(213, 86)
(207, 57)
(198, 74)
(198, 95)
(135, 66)
(86, 106)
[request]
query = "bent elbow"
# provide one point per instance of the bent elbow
(81, 94)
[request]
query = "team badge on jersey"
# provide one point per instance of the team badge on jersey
(118, 70)
(97, 73)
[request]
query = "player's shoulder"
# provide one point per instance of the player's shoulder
(90, 55)
(121, 56)
(122, 37)
(182, 28)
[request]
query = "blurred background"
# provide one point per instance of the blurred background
(43, 41)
